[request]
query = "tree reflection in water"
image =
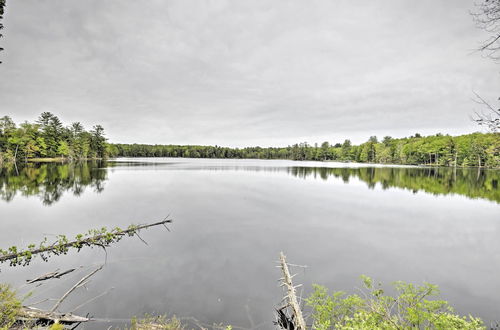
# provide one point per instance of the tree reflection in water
(470, 182)
(50, 181)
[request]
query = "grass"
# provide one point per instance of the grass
(156, 322)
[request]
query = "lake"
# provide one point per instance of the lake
(231, 219)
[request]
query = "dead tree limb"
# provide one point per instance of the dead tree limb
(298, 319)
(37, 316)
(101, 238)
(78, 284)
(28, 315)
(48, 276)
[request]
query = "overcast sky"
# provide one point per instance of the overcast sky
(237, 73)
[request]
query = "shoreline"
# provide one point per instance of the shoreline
(69, 160)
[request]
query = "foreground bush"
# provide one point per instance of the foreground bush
(410, 309)
(9, 306)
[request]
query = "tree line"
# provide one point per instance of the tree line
(477, 149)
(49, 138)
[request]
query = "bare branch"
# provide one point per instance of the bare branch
(491, 119)
(487, 18)
(78, 284)
(92, 299)
(298, 319)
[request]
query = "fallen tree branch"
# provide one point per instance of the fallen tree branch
(37, 316)
(97, 237)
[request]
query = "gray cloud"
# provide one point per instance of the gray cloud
(246, 72)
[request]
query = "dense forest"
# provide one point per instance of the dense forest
(477, 149)
(48, 138)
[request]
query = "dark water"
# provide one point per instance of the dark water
(231, 220)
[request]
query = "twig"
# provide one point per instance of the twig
(137, 234)
(64, 273)
(39, 302)
(88, 301)
(76, 325)
(73, 288)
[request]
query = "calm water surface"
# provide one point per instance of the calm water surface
(231, 220)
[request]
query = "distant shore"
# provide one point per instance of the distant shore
(69, 160)
(48, 160)
(58, 160)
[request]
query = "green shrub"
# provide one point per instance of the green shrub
(410, 309)
(9, 306)
(56, 326)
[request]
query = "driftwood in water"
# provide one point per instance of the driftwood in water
(101, 239)
(34, 316)
(48, 276)
(31, 315)
(73, 288)
(297, 320)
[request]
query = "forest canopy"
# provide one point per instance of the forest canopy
(48, 138)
